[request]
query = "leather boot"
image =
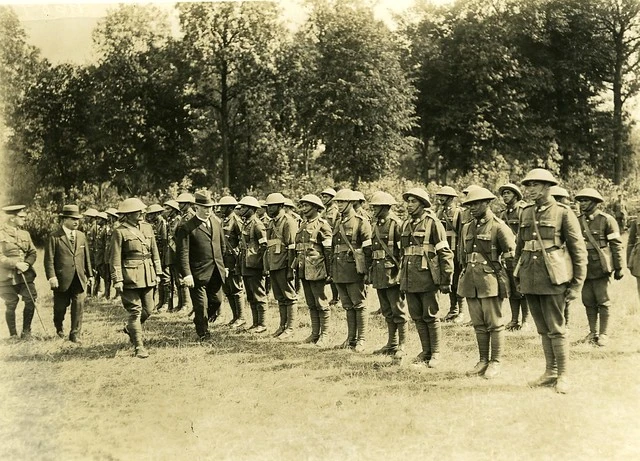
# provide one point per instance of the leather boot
(361, 330)
(483, 339)
(550, 374)
(603, 312)
(434, 340)
(27, 315)
(392, 340)
(462, 310)
(234, 310)
(592, 318)
(514, 324)
(239, 305)
(10, 317)
(160, 291)
(561, 352)
(400, 353)
(283, 321)
(423, 334)
(324, 328)
(255, 319)
(351, 330)
(314, 316)
(291, 311)
(496, 352)
(260, 309)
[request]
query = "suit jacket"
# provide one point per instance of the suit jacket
(64, 262)
(200, 250)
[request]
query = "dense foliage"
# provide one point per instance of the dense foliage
(238, 101)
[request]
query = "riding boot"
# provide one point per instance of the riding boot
(283, 321)
(483, 339)
(239, 306)
(351, 329)
(361, 330)
(592, 318)
(603, 313)
(423, 334)
(434, 340)
(10, 317)
(323, 317)
(392, 340)
(402, 339)
(291, 311)
(314, 315)
(561, 353)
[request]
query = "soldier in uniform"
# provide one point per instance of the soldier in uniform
(331, 214)
(109, 226)
(91, 230)
(487, 243)
(512, 198)
(358, 205)
(17, 256)
(232, 231)
(449, 215)
(279, 258)
(552, 265)
(159, 225)
(351, 258)
(620, 212)
(313, 254)
(606, 256)
(200, 248)
(384, 274)
(426, 267)
(290, 209)
(185, 201)
(264, 217)
(170, 259)
(135, 265)
(252, 247)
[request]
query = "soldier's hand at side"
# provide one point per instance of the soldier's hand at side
(90, 281)
(570, 295)
(618, 274)
(188, 281)
(53, 283)
(118, 287)
(445, 289)
(22, 266)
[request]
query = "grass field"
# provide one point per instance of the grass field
(242, 397)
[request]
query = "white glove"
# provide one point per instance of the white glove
(22, 266)
(53, 283)
(188, 281)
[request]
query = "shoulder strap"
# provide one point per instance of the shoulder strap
(594, 244)
(385, 246)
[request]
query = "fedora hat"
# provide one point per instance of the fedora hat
(71, 211)
(203, 198)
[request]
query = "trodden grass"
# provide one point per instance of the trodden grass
(244, 397)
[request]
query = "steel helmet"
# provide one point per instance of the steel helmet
(447, 191)
(172, 204)
(155, 208)
(359, 196)
(227, 200)
(91, 213)
(512, 187)
(112, 211)
(590, 193)
(312, 199)
(557, 191)
(382, 198)
(329, 191)
(102, 215)
(262, 203)
(540, 174)
(131, 205)
(275, 199)
(469, 188)
(418, 193)
(288, 202)
(186, 197)
(249, 201)
(344, 195)
(477, 195)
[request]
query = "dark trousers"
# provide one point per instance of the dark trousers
(392, 305)
(205, 299)
(548, 314)
(75, 296)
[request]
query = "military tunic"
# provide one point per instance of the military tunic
(385, 268)
(313, 246)
(558, 226)
(253, 244)
(279, 257)
(16, 246)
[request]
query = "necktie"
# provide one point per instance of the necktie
(72, 239)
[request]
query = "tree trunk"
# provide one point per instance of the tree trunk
(224, 125)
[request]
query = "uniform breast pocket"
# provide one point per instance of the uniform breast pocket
(547, 229)
(130, 270)
(132, 244)
(525, 230)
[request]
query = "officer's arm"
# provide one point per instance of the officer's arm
(507, 245)
(325, 237)
(445, 254)
(572, 234)
(289, 239)
(365, 235)
(31, 254)
(614, 240)
(633, 235)
(87, 259)
(115, 257)
(155, 255)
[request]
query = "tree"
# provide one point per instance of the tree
(358, 101)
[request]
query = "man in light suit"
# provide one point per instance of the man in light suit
(200, 246)
(67, 264)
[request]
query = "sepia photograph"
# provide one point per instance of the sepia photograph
(319, 230)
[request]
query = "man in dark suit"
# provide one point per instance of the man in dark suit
(67, 263)
(200, 246)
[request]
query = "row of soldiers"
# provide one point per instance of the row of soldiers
(534, 255)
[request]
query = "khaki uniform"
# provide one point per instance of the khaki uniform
(232, 287)
(633, 252)
(351, 231)
(595, 292)
(486, 244)
(16, 246)
(517, 301)
(385, 277)
(427, 264)
(279, 257)
(135, 261)
(313, 256)
(558, 227)
(331, 214)
(451, 219)
(252, 247)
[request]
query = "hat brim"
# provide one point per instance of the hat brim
(72, 216)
